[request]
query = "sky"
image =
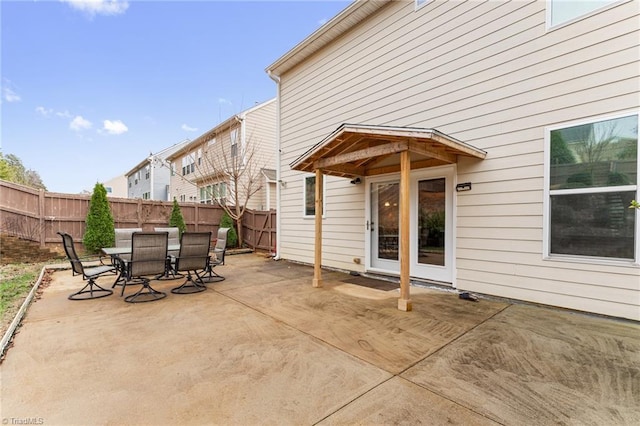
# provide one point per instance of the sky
(90, 87)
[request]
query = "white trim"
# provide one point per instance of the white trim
(547, 192)
(593, 12)
(304, 196)
(419, 4)
(449, 172)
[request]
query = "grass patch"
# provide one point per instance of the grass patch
(17, 280)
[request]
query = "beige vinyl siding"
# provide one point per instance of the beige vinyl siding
(182, 185)
(489, 74)
(261, 134)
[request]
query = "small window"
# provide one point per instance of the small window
(234, 142)
(592, 177)
(561, 11)
(420, 3)
(310, 196)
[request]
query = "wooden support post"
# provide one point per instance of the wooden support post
(317, 264)
(404, 303)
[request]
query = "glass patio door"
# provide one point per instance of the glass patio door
(431, 224)
(384, 225)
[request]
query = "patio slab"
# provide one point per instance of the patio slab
(265, 347)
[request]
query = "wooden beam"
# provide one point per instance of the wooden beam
(345, 170)
(431, 152)
(317, 264)
(420, 164)
(404, 303)
(374, 151)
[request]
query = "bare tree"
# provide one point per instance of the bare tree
(227, 170)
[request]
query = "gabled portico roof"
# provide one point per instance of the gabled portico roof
(364, 150)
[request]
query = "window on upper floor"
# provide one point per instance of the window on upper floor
(591, 178)
(188, 164)
(562, 11)
(234, 142)
(420, 3)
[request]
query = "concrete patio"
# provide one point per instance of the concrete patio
(265, 347)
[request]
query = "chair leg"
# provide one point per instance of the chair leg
(145, 294)
(190, 285)
(210, 276)
(91, 291)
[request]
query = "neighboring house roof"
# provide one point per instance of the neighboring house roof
(211, 134)
(352, 15)
(163, 154)
(270, 174)
(361, 150)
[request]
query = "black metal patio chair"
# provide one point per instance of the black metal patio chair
(148, 258)
(90, 273)
(193, 257)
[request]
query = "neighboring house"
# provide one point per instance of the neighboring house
(487, 146)
(150, 178)
(198, 168)
(116, 187)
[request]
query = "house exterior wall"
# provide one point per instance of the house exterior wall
(116, 187)
(260, 132)
(256, 129)
(138, 183)
(490, 74)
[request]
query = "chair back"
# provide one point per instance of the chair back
(123, 236)
(70, 250)
(194, 251)
(221, 242)
(148, 253)
(174, 235)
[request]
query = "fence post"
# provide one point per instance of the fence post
(41, 210)
(139, 212)
(196, 216)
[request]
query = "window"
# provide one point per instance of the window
(173, 169)
(146, 173)
(146, 195)
(561, 11)
(420, 3)
(592, 176)
(310, 196)
(216, 191)
(234, 142)
(188, 164)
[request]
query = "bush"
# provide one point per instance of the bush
(176, 220)
(232, 236)
(100, 230)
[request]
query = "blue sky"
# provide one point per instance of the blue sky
(90, 88)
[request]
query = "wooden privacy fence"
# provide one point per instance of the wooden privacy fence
(38, 216)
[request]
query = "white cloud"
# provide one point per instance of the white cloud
(116, 127)
(99, 7)
(323, 21)
(224, 101)
(188, 128)
(63, 114)
(10, 96)
(44, 111)
(79, 123)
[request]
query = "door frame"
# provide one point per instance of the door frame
(450, 173)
